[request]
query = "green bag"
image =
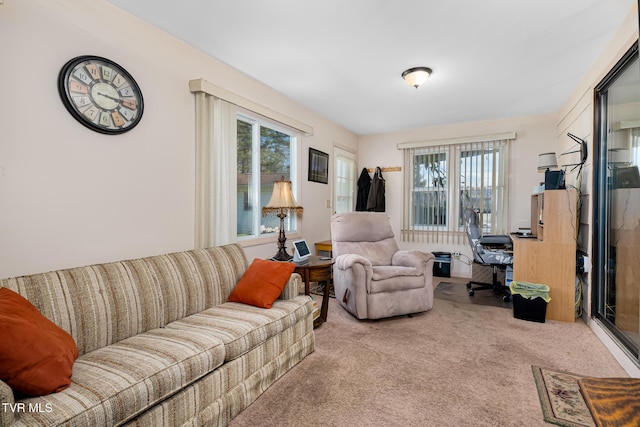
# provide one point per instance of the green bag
(530, 290)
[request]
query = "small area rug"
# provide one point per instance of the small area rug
(317, 288)
(457, 292)
(560, 398)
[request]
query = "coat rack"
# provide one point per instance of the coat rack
(386, 169)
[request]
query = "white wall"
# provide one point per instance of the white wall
(70, 196)
(535, 134)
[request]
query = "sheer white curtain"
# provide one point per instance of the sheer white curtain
(216, 154)
(443, 178)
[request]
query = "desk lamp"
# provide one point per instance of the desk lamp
(618, 144)
(547, 161)
(552, 179)
(281, 204)
(617, 157)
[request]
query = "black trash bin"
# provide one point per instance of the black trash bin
(442, 264)
(529, 301)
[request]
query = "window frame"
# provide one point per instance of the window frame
(338, 154)
(453, 231)
(430, 151)
(292, 225)
(605, 263)
(495, 169)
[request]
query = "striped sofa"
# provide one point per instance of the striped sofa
(159, 344)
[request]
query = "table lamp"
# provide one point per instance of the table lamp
(553, 180)
(618, 157)
(547, 161)
(281, 204)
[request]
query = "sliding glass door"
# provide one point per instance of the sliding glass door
(616, 203)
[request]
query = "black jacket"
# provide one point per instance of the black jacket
(364, 184)
(375, 201)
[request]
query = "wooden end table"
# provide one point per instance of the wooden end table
(317, 269)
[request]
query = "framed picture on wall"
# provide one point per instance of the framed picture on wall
(318, 166)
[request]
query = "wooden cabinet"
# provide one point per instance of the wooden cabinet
(550, 259)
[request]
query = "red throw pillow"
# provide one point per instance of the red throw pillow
(262, 283)
(36, 356)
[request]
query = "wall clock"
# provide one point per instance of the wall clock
(100, 94)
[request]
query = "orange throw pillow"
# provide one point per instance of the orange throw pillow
(262, 283)
(36, 356)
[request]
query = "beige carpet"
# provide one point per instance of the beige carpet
(456, 365)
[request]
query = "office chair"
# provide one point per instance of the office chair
(489, 250)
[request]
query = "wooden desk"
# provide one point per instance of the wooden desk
(317, 270)
(550, 259)
(324, 246)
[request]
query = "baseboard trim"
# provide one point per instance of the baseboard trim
(624, 359)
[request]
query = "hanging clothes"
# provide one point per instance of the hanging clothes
(375, 201)
(364, 184)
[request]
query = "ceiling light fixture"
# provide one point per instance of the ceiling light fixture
(416, 76)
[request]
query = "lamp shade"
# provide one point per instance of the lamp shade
(619, 139)
(618, 157)
(547, 161)
(282, 198)
(416, 76)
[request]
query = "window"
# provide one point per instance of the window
(482, 181)
(429, 195)
(444, 180)
(344, 180)
(216, 187)
(266, 153)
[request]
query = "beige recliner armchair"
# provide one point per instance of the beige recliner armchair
(371, 276)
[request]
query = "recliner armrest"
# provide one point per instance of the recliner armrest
(346, 261)
(413, 258)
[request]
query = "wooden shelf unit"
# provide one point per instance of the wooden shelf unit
(550, 259)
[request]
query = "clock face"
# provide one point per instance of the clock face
(100, 94)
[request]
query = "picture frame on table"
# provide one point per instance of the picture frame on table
(318, 166)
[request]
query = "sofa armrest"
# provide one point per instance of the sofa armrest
(6, 399)
(416, 259)
(292, 288)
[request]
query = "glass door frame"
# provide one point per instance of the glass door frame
(342, 153)
(601, 260)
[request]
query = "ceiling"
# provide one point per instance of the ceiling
(343, 59)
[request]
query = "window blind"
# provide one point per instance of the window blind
(442, 178)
